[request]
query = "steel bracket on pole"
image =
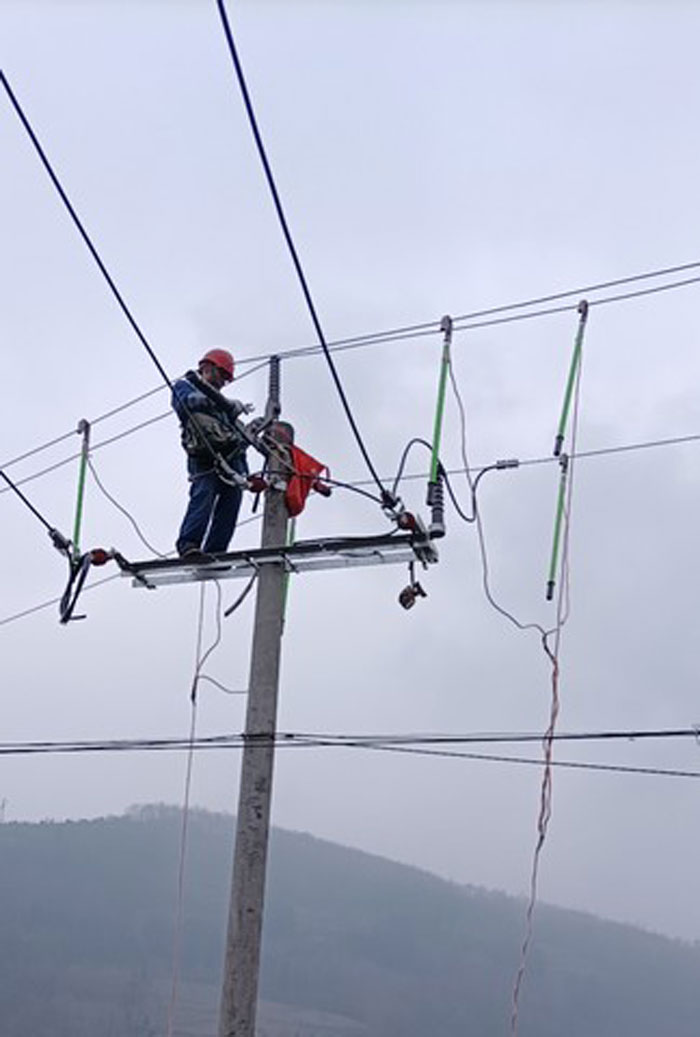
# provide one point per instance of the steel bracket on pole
(302, 556)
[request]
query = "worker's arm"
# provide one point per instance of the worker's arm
(188, 399)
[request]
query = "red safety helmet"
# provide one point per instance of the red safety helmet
(222, 359)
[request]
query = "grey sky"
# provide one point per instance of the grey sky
(432, 158)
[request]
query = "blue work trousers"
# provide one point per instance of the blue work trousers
(212, 511)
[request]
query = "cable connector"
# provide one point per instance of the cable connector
(323, 488)
(61, 543)
(436, 502)
(508, 462)
(99, 556)
(391, 504)
(257, 483)
(407, 521)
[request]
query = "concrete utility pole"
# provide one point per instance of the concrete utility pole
(242, 962)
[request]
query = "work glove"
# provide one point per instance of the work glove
(237, 407)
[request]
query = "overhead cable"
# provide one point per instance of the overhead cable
(379, 338)
(357, 483)
(289, 740)
(95, 254)
(357, 740)
(81, 229)
(291, 246)
(584, 290)
(37, 514)
(471, 323)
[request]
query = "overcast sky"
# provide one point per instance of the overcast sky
(433, 158)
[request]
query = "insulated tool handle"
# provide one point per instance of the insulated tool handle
(571, 380)
(84, 430)
(551, 581)
(446, 328)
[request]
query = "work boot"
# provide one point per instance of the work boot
(194, 555)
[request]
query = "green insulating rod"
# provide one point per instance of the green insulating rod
(291, 533)
(571, 381)
(446, 328)
(84, 431)
(564, 462)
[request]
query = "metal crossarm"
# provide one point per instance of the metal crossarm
(303, 556)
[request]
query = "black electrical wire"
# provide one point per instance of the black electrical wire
(15, 489)
(291, 740)
(239, 601)
(292, 248)
(508, 737)
(472, 489)
(81, 229)
(416, 441)
(352, 487)
(533, 761)
(354, 741)
(92, 249)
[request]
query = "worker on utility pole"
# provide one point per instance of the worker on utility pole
(216, 461)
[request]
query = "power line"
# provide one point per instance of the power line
(38, 449)
(103, 442)
(294, 740)
(93, 251)
(110, 414)
(81, 229)
(472, 324)
(583, 290)
(54, 601)
(377, 338)
(538, 762)
(408, 331)
(387, 739)
(291, 246)
(95, 446)
(37, 514)
(355, 741)
(475, 469)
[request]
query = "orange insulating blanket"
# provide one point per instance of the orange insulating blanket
(306, 478)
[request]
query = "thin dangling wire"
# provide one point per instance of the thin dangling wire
(563, 604)
(177, 935)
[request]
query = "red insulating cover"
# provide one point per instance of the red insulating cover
(306, 472)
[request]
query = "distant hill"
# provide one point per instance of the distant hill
(355, 946)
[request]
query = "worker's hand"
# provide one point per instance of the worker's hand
(238, 407)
